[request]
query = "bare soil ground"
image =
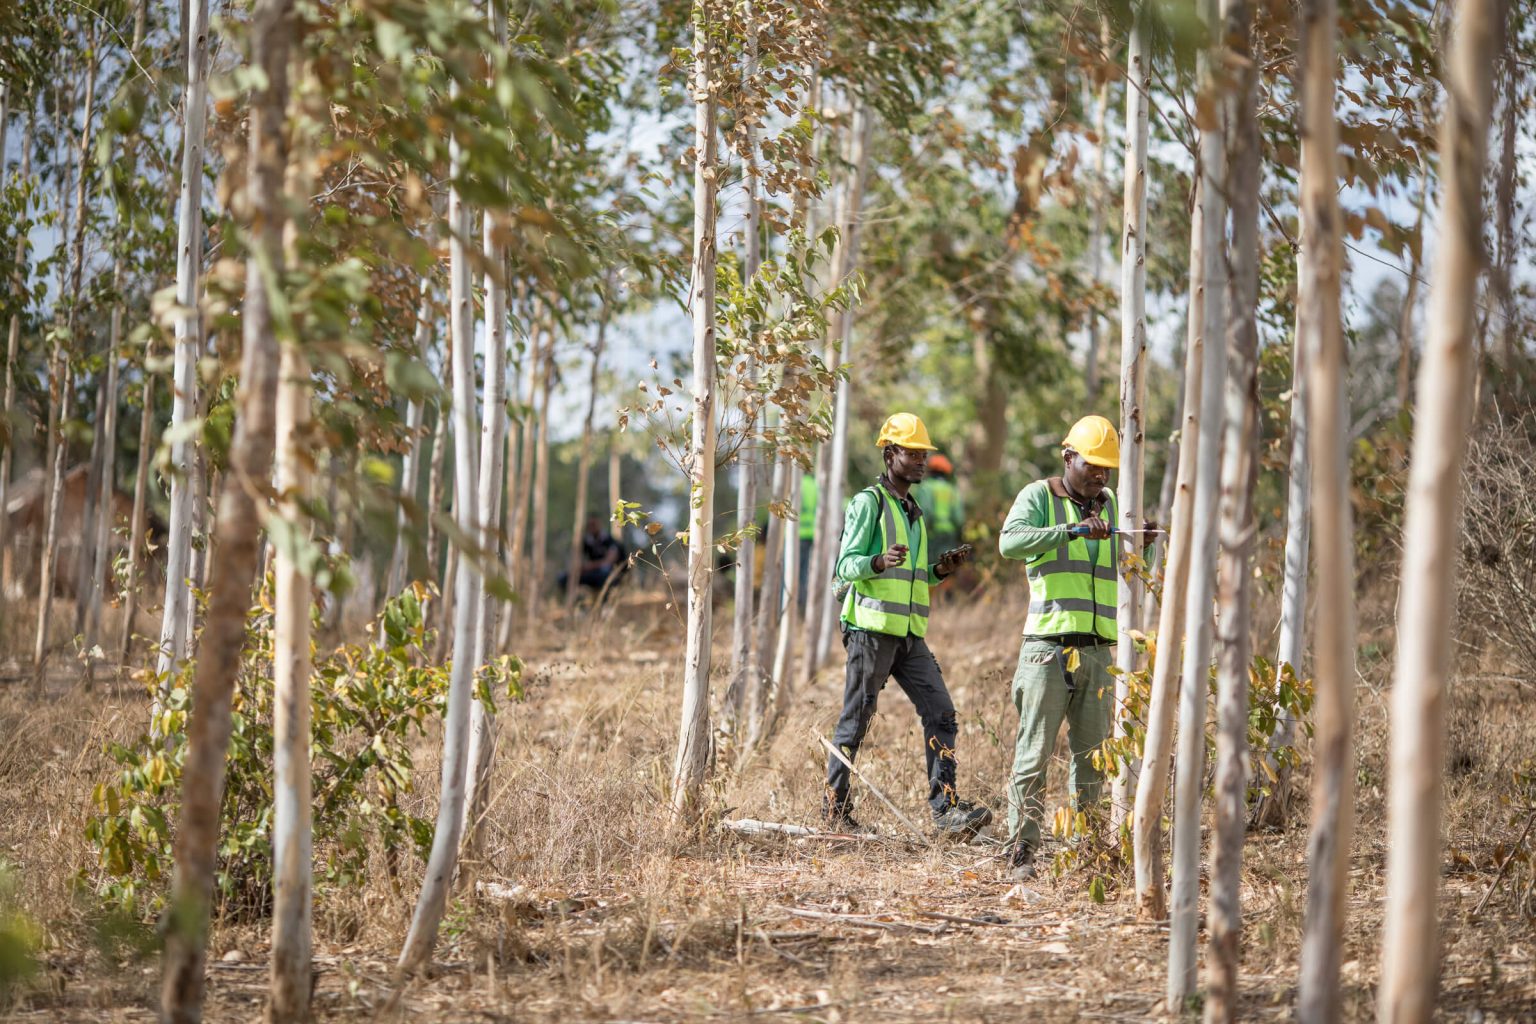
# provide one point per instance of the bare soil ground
(588, 909)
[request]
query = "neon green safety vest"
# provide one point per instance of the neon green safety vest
(1068, 591)
(941, 498)
(807, 507)
(895, 601)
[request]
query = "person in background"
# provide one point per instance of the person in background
(884, 561)
(602, 556)
(942, 508)
(807, 524)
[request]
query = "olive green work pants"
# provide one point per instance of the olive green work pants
(1043, 699)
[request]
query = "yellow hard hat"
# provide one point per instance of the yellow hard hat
(1094, 438)
(907, 430)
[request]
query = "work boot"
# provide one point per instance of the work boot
(963, 820)
(838, 817)
(1021, 862)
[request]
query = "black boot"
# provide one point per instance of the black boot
(963, 820)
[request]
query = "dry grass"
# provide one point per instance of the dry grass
(604, 914)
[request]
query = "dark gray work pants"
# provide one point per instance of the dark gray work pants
(872, 659)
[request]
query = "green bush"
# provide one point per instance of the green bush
(366, 704)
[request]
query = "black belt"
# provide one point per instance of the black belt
(1076, 640)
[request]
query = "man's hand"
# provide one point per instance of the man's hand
(953, 559)
(897, 555)
(1097, 528)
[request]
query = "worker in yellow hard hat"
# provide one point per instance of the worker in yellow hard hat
(884, 561)
(1061, 527)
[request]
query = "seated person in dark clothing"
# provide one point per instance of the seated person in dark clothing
(602, 556)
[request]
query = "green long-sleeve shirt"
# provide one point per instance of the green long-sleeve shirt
(1024, 531)
(861, 540)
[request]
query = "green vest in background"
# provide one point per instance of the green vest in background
(1071, 591)
(941, 505)
(807, 506)
(894, 602)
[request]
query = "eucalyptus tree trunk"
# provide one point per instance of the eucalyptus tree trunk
(693, 737)
(1190, 769)
(1504, 210)
(584, 466)
(63, 371)
(1239, 473)
(292, 862)
(410, 463)
(493, 424)
(176, 614)
(443, 860)
(1410, 955)
(518, 495)
(1326, 356)
(762, 718)
(818, 598)
(239, 530)
(292, 825)
(1133, 385)
(102, 541)
(85, 541)
(435, 465)
(538, 538)
(832, 497)
(138, 521)
(1411, 296)
(12, 351)
(1273, 810)
(101, 528)
(1136, 79)
(1157, 750)
(744, 652)
(768, 608)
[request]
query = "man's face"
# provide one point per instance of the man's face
(909, 464)
(594, 527)
(1084, 477)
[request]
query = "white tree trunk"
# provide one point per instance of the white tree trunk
(769, 606)
(1273, 809)
(831, 498)
(12, 348)
(410, 463)
(65, 373)
(176, 613)
(101, 539)
(1323, 344)
(1190, 770)
(138, 521)
(1133, 386)
(1157, 751)
(693, 737)
(443, 860)
(1411, 956)
(239, 531)
(1135, 60)
(493, 423)
(538, 538)
(292, 861)
(744, 652)
(1238, 476)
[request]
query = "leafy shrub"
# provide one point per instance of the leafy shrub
(367, 702)
(19, 938)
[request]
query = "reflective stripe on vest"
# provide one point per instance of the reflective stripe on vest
(895, 601)
(1070, 592)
